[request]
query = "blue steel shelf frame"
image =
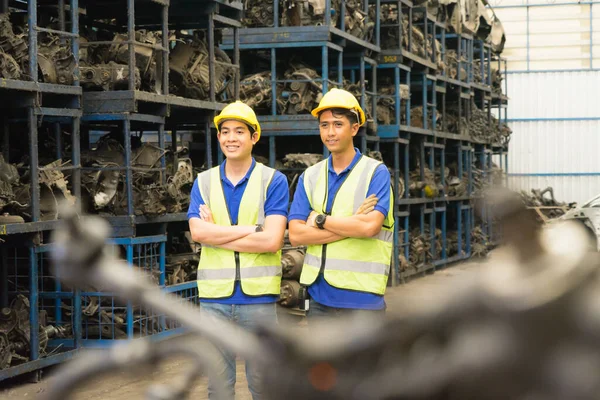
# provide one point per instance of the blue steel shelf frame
(340, 34)
(129, 124)
(34, 102)
(25, 270)
(274, 125)
(360, 67)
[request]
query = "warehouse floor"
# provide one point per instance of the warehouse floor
(124, 386)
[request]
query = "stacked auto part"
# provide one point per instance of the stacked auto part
(104, 183)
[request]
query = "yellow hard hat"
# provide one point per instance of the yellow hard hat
(339, 98)
(239, 112)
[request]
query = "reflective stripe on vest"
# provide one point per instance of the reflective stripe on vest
(360, 264)
(259, 273)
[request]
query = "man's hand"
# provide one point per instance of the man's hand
(311, 219)
(368, 205)
(206, 214)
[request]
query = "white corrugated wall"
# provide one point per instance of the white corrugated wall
(544, 152)
(555, 116)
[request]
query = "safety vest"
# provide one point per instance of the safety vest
(360, 264)
(259, 273)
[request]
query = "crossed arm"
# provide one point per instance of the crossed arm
(241, 238)
(364, 223)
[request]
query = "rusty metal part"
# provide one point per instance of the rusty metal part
(305, 90)
(386, 104)
(258, 13)
(178, 185)
(255, 90)
(147, 59)
(291, 264)
(110, 76)
(9, 68)
(479, 242)
(452, 69)
(416, 118)
(429, 182)
(289, 295)
(189, 69)
(301, 160)
(15, 332)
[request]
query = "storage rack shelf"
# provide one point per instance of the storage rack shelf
(440, 219)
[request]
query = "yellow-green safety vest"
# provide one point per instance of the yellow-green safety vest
(360, 264)
(259, 273)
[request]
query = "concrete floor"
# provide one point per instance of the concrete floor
(127, 386)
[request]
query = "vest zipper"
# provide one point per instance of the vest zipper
(237, 266)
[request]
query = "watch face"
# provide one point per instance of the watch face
(320, 219)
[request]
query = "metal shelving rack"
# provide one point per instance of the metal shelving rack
(37, 109)
(339, 52)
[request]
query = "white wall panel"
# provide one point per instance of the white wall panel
(566, 188)
(554, 147)
(554, 95)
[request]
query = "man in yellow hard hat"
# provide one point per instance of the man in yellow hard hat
(343, 212)
(238, 212)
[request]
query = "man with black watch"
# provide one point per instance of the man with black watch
(342, 211)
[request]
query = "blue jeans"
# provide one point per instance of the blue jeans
(247, 316)
(318, 311)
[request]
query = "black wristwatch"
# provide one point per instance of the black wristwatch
(259, 228)
(320, 221)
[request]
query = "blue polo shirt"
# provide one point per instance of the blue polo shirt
(276, 203)
(321, 291)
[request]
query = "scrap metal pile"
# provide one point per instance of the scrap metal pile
(300, 93)
(430, 183)
(260, 13)
(452, 70)
(15, 332)
(416, 118)
(105, 66)
(189, 69)
(390, 39)
(482, 131)
(15, 191)
(547, 205)
(421, 251)
(386, 104)
(55, 59)
(104, 180)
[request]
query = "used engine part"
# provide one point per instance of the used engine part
(147, 60)
(255, 91)
(258, 13)
(111, 76)
(452, 69)
(290, 293)
(189, 69)
(416, 118)
(386, 103)
(179, 184)
(291, 264)
(479, 242)
(305, 91)
(430, 183)
(15, 332)
(56, 62)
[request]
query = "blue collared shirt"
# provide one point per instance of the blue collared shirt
(276, 203)
(321, 291)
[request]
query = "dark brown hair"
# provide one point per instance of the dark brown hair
(342, 112)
